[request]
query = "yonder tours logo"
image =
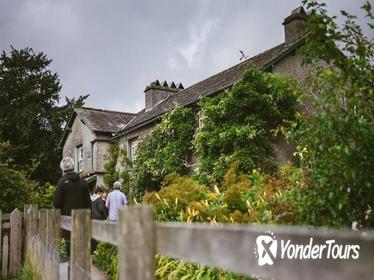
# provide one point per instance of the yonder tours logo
(267, 247)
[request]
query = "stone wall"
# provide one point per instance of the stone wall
(80, 135)
(124, 142)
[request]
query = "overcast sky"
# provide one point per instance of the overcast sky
(112, 49)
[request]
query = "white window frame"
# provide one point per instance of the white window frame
(133, 147)
(200, 120)
(79, 157)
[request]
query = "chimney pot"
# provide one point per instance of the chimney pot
(155, 92)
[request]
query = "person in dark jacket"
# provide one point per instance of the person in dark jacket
(99, 211)
(71, 193)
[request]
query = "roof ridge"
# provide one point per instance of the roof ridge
(105, 110)
(233, 66)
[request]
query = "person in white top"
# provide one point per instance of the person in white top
(115, 200)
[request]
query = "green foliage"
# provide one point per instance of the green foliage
(30, 120)
(28, 273)
(254, 198)
(16, 189)
(175, 197)
(165, 150)
(170, 269)
(240, 123)
(106, 259)
(335, 142)
(116, 154)
(111, 174)
(63, 251)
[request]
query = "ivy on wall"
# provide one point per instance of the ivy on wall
(240, 123)
(167, 149)
(116, 154)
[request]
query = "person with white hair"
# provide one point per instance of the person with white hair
(71, 193)
(115, 200)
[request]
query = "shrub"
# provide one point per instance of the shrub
(175, 196)
(105, 258)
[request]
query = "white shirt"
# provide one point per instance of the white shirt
(115, 200)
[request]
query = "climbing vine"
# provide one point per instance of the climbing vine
(111, 173)
(167, 149)
(240, 124)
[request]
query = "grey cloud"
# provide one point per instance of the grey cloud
(113, 49)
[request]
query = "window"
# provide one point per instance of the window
(133, 145)
(201, 119)
(79, 156)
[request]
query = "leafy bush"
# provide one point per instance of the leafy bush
(167, 149)
(335, 142)
(171, 269)
(240, 123)
(16, 189)
(105, 258)
(177, 194)
(116, 154)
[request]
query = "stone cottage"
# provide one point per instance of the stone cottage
(94, 129)
(87, 138)
(161, 97)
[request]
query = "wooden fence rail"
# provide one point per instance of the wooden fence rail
(231, 247)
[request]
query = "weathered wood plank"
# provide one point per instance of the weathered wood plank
(5, 225)
(15, 242)
(136, 246)
(31, 224)
(53, 227)
(6, 216)
(103, 231)
(80, 260)
(232, 248)
(1, 220)
(4, 271)
(42, 224)
(52, 244)
(66, 222)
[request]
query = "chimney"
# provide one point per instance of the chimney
(294, 25)
(156, 92)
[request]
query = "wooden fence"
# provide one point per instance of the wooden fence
(229, 247)
(10, 242)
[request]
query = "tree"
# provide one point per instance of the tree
(335, 143)
(240, 123)
(30, 119)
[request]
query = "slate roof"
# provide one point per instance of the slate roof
(211, 85)
(98, 121)
(103, 121)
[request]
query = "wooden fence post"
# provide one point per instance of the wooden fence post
(15, 241)
(42, 240)
(52, 244)
(136, 245)
(30, 215)
(42, 225)
(4, 272)
(1, 221)
(53, 227)
(80, 256)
